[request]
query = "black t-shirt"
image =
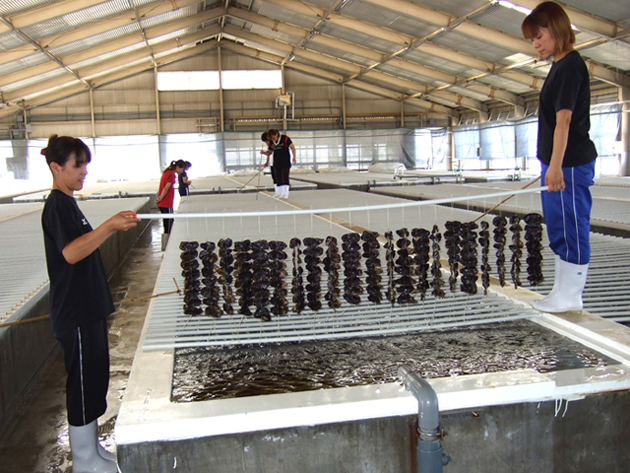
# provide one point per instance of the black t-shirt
(281, 153)
(183, 187)
(79, 294)
(567, 87)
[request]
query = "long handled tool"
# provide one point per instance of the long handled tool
(262, 166)
(505, 200)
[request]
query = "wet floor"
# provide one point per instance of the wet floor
(37, 441)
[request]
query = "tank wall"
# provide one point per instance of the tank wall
(27, 349)
(519, 438)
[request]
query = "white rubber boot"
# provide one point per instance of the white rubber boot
(276, 188)
(571, 282)
(285, 194)
(85, 457)
(556, 278)
(106, 454)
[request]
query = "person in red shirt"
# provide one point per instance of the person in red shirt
(166, 196)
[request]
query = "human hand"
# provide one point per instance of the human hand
(124, 220)
(554, 179)
(294, 161)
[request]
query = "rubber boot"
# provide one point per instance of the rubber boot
(285, 194)
(85, 457)
(571, 282)
(276, 188)
(556, 277)
(106, 454)
(165, 240)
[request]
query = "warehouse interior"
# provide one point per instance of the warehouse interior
(405, 114)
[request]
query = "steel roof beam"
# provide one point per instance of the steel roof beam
(115, 75)
(111, 46)
(370, 54)
(352, 69)
(276, 59)
(92, 29)
(91, 72)
(579, 18)
(485, 33)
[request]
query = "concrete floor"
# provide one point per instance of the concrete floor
(37, 442)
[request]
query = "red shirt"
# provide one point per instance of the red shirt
(167, 201)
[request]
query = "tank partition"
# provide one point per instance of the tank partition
(27, 349)
(610, 213)
(521, 421)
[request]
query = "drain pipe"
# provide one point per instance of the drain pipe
(430, 458)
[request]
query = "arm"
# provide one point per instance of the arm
(85, 245)
(554, 177)
(186, 180)
(164, 192)
(294, 154)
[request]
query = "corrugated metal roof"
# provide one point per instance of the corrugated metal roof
(475, 47)
(353, 58)
(615, 10)
(429, 60)
(287, 16)
(19, 64)
(33, 80)
(397, 72)
(390, 19)
(95, 40)
(10, 40)
(616, 54)
(457, 8)
(12, 7)
(454, 44)
(501, 18)
(356, 37)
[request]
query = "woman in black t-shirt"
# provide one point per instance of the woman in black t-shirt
(566, 153)
(280, 146)
(80, 301)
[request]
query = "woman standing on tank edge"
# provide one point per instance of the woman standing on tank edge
(566, 152)
(80, 301)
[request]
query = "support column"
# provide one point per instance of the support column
(343, 105)
(92, 112)
(25, 124)
(624, 155)
(157, 102)
(284, 91)
(221, 110)
(402, 114)
(451, 159)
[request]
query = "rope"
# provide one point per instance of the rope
(343, 209)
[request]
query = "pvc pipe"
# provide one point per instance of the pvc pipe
(342, 209)
(430, 458)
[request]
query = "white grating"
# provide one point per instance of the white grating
(169, 327)
(23, 274)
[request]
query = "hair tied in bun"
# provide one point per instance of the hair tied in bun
(43, 151)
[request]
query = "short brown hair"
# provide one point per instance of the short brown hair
(552, 16)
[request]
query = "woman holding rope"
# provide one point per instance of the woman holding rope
(566, 153)
(80, 301)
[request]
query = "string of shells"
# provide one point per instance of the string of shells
(266, 279)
